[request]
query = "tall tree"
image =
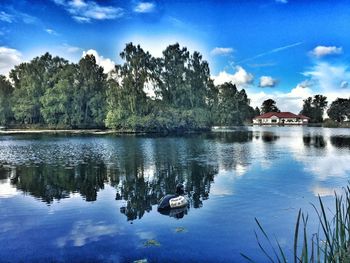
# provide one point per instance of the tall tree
(57, 102)
(173, 83)
(135, 73)
(339, 110)
(256, 111)
(314, 108)
(269, 105)
(233, 107)
(127, 99)
(6, 90)
(31, 80)
(90, 94)
(199, 81)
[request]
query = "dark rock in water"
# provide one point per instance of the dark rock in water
(174, 205)
(164, 203)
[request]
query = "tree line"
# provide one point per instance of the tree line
(314, 108)
(144, 93)
(52, 92)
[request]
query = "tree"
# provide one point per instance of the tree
(269, 105)
(135, 73)
(173, 76)
(90, 94)
(233, 107)
(314, 108)
(6, 90)
(199, 81)
(31, 80)
(339, 110)
(256, 111)
(57, 102)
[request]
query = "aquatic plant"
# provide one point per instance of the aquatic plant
(180, 229)
(151, 243)
(330, 244)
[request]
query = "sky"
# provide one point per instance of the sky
(286, 50)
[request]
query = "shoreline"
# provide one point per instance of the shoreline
(130, 132)
(66, 131)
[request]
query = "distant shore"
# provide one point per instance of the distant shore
(88, 131)
(65, 131)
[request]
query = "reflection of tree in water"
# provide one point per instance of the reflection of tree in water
(144, 170)
(316, 141)
(48, 182)
(340, 141)
(269, 137)
(141, 189)
(231, 137)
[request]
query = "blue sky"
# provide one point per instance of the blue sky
(281, 49)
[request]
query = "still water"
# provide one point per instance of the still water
(94, 198)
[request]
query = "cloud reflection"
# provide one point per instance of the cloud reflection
(87, 231)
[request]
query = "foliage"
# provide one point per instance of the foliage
(339, 110)
(233, 105)
(171, 93)
(314, 108)
(269, 105)
(6, 91)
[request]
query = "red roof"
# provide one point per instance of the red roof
(280, 115)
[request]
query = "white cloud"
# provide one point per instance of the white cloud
(282, 1)
(267, 81)
(321, 51)
(9, 57)
(344, 84)
(221, 51)
(241, 77)
(17, 16)
(305, 84)
(328, 77)
(289, 101)
(85, 12)
(144, 7)
(5, 17)
(107, 64)
(70, 49)
(51, 31)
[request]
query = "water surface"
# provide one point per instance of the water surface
(93, 198)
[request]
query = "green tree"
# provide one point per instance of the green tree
(90, 88)
(57, 102)
(256, 111)
(173, 86)
(127, 100)
(314, 108)
(269, 105)
(6, 90)
(339, 110)
(31, 80)
(199, 81)
(233, 107)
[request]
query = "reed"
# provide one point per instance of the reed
(330, 244)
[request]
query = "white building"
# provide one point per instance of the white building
(281, 118)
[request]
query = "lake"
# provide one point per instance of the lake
(94, 198)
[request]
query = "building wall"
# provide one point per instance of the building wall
(276, 120)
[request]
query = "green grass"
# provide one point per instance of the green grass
(330, 244)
